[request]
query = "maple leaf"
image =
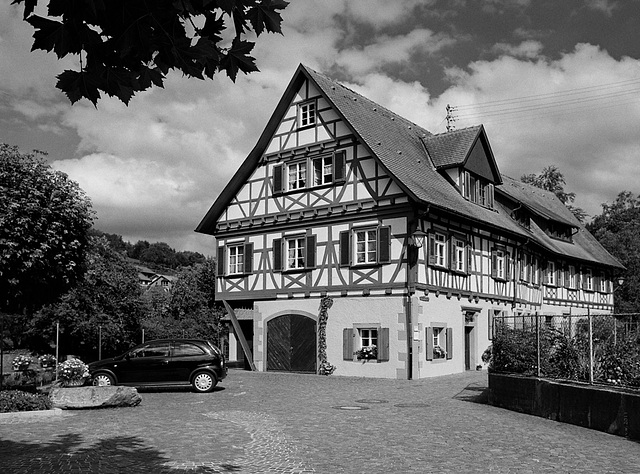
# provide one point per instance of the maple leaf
(49, 35)
(148, 76)
(237, 58)
(77, 85)
(29, 6)
(264, 16)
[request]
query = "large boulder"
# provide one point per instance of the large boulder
(94, 397)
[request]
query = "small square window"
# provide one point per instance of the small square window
(307, 114)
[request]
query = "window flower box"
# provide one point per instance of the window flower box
(367, 353)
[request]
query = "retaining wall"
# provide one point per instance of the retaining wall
(614, 411)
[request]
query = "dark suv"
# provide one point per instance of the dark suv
(164, 362)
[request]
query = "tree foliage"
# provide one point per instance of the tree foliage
(44, 219)
(618, 230)
(107, 297)
(551, 179)
(127, 46)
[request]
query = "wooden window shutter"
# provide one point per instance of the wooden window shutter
(310, 258)
(339, 166)
(345, 248)
(347, 344)
(494, 264)
(277, 179)
(277, 255)
(596, 282)
(490, 319)
(221, 251)
(449, 343)
(248, 258)
(429, 344)
(432, 249)
(567, 278)
(468, 266)
(453, 257)
(583, 279)
(384, 244)
(383, 344)
(508, 263)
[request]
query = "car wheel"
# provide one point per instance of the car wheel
(204, 382)
(102, 380)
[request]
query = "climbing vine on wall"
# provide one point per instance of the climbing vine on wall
(325, 367)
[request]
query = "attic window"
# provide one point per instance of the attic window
(559, 231)
(476, 189)
(307, 114)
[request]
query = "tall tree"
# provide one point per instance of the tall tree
(618, 230)
(107, 300)
(127, 46)
(551, 179)
(44, 219)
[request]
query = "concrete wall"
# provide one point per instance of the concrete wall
(614, 411)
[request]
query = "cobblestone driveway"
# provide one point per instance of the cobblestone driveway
(291, 423)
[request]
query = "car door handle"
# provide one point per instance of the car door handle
(165, 361)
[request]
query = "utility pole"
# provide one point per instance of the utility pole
(451, 118)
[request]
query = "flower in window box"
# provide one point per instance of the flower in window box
(47, 361)
(21, 362)
(439, 352)
(367, 353)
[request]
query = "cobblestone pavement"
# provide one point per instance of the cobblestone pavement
(294, 423)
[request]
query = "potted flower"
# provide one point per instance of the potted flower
(21, 362)
(47, 361)
(72, 373)
(367, 353)
(439, 352)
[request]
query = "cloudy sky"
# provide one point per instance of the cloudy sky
(554, 83)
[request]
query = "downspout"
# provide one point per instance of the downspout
(412, 259)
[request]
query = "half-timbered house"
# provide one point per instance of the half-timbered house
(417, 238)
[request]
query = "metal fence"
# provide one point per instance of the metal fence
(593, 348)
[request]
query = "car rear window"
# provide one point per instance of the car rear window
(186, 349)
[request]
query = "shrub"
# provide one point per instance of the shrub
(72, 371)
(17, 400)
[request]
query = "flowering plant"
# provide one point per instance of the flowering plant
(73, 372)
(47, 360)
(367, 352)
(326, 368)
(21, 362)
(439, 352)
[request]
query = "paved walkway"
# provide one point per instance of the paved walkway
(292, 423)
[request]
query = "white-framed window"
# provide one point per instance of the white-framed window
(535, 271)
(571, 277)
(438, 250)
(603, 287)
(587, 279)
(297, 175)
(366, 246)
(499, 264)
(236, 259)
(295, 253)
(368, 337)
(477, 189)
(551, 274)
(307, 114)
(459, 255)
(365, 341)
(439, 340)
(525, 267)
(323, 170)
(438, 351)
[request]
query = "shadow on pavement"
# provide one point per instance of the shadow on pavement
(71, 453)
(474, 393)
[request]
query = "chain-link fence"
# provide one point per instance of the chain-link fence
(593, 348)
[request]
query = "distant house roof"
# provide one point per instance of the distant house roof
(414, 157)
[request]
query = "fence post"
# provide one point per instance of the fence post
(538, 341)
(590, 346)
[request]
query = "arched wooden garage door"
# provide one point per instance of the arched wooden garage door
(291, 344)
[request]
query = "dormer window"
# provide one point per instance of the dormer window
(307, 114)
(559, 231)
(476, 189)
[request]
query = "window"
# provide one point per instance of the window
(535, 271)
(307, 114)
(153, 349)
(294, 253)
(236, 259)
(499, 260)
(459, 255)
(185, 349)
(325, 170)
(587, 279)
(365, 342)
(365, 246)
(603, 283)
(477, 189)
(296, 176)
(322, 170)
(525, 267)
(571, 277)
(438, 249)
(551, 274)
(439, 340)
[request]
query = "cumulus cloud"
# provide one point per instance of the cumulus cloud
(526, 49)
